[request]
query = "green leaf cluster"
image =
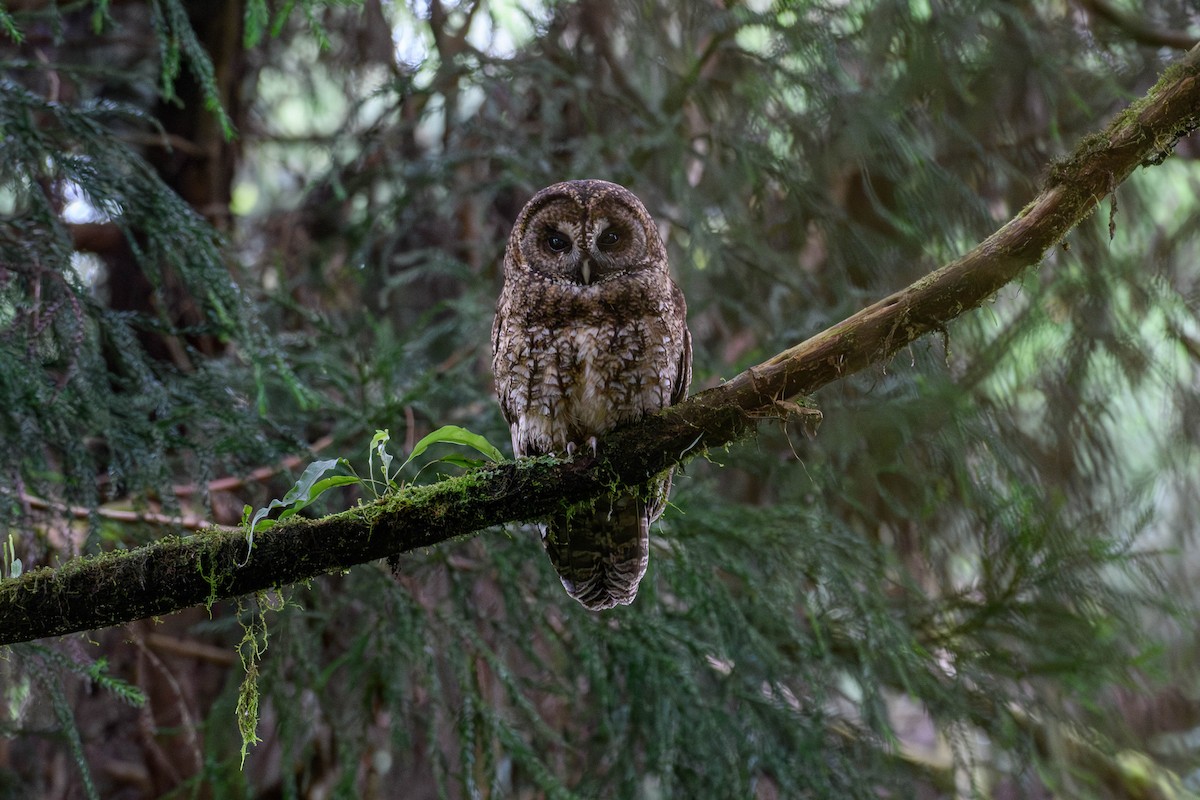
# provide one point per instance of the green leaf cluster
(312, 485)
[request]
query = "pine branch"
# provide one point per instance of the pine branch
(175, 573)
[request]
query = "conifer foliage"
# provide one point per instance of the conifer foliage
(240, 237)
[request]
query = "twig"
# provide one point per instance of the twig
(189, 648)
(186, 720)
(117, 515)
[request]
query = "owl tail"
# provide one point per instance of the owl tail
(601, 553)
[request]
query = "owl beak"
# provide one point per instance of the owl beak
(586, 270)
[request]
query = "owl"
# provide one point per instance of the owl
(590, 334)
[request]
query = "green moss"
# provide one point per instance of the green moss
(1179, 71)
(1064, 170)
(211, 578)
(251, 649)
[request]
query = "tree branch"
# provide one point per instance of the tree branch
(1135, 28)
(175, 572)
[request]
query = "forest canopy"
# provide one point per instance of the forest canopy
(237, 238)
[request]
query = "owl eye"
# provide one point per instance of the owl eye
(558, 243)
(608, 239)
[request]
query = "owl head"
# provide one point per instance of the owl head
(585, 232)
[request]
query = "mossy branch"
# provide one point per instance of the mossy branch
(175, 573)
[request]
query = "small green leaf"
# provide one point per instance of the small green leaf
(14, 565)
(266, 524)
(316, 491)
(336, 480)
(461, 461)
(311, 486)
(302, 491)
(379, 444)
(453, 434)
(306, 490)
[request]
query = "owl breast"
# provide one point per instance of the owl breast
(577, 371)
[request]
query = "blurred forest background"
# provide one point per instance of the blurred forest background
(239, 235)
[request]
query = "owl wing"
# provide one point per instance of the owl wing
(501, 372)
(683, 375)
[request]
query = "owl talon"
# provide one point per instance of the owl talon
(572, 448)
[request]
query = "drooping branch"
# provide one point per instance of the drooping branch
(175, 573)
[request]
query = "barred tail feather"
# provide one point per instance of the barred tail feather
(601, 554)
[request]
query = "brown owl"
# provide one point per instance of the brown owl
(590, 334)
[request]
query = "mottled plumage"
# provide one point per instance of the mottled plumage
(590, 333)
